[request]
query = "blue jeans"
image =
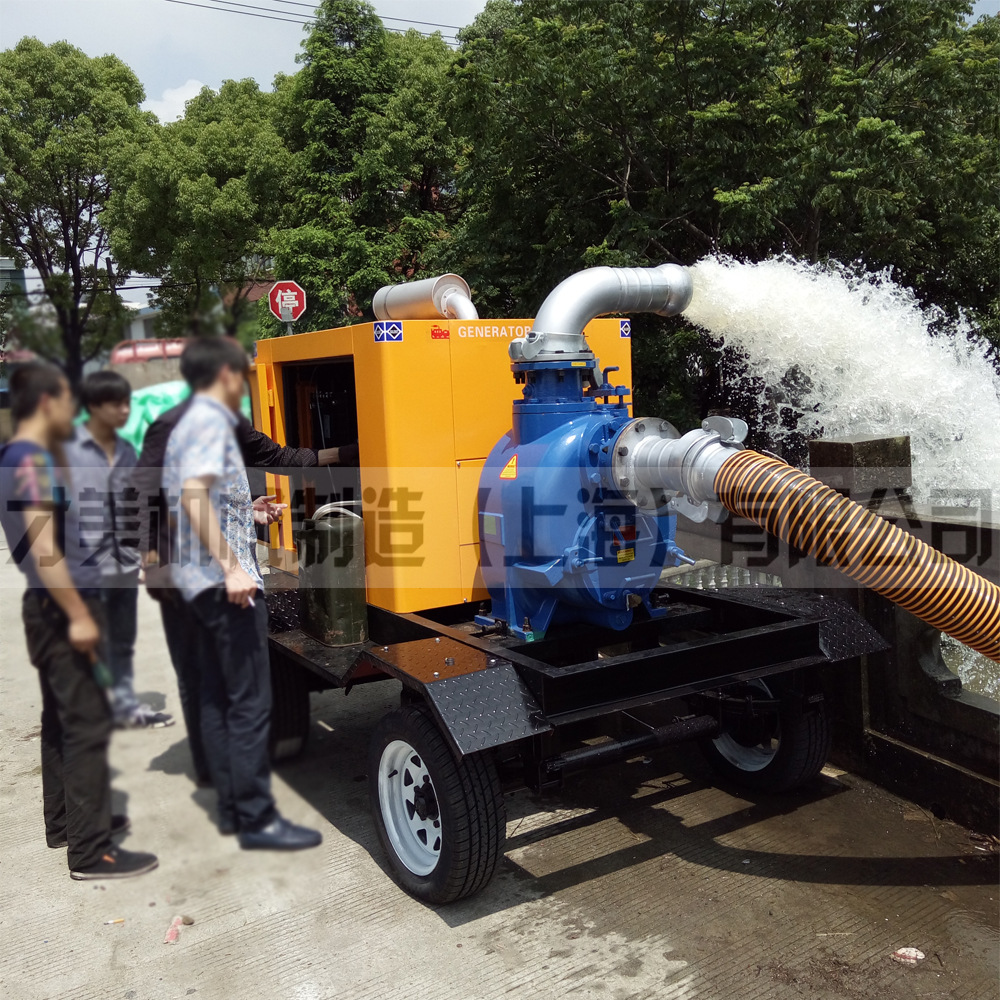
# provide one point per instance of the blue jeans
(235, 675)
(120, 602)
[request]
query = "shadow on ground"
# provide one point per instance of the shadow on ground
(660, 803)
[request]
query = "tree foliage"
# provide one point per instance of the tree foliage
(559, 135)
(61, 116)
(194, 201)
(374, 160)
(633, 133)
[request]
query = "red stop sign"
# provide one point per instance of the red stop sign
(287, 300)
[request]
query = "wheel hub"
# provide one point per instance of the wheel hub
(425, 801)
(752, 742)
(409, 807)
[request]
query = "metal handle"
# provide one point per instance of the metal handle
(335, 508)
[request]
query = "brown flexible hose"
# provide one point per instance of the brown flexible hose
(870, 550)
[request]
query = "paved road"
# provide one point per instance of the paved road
(645, 881)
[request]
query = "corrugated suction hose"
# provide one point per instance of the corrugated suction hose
(870, 550)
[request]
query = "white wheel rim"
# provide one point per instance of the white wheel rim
(408, 802)
(746, 758)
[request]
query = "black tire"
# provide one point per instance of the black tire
(799, 744)
(464, 798)
(289, 710)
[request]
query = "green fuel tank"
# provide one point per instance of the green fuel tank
(331, 548)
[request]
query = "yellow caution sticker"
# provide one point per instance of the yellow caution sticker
(510, 469)
(626, 555)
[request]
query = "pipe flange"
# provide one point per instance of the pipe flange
(623, 469)
(549, 347)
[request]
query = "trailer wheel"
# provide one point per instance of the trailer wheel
(440, 820)
(773, 751)
(289, 711)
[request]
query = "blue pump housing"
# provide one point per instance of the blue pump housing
(558, 543)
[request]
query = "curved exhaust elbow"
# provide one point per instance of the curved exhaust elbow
(456, 304)
(447, 297)
(574, 302)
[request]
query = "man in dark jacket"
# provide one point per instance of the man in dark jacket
(259, 452)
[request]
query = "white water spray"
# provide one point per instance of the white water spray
(863, 360)
(870, 361)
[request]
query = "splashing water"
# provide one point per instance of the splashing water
(860, 352)
(860, 357)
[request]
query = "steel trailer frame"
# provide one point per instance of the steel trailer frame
(490, 692)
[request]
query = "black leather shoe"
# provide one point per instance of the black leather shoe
(280, 835)
(228, 825)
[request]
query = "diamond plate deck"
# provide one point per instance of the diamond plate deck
(843, 633)
(485, 710)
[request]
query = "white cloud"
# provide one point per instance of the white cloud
(170, 106)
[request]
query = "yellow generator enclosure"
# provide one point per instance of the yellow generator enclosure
(427, 401)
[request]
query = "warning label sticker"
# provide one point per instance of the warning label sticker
(510, 469)
(626, 555)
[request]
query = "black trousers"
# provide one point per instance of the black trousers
(76, 730)
(184, 636)
(236, 705)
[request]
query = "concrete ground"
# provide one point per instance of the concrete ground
(646, 880)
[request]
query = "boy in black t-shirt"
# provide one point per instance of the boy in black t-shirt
(61, 628)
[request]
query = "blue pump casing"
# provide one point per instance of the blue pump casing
(558, 542)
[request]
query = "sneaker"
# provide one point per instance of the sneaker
(119, 824)
(116, 863)
(145, 718)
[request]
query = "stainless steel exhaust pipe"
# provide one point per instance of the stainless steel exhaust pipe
(446, 296)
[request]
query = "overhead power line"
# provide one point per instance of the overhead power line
(224, 4)
(402, 20)
(188, 3)
(294, 17)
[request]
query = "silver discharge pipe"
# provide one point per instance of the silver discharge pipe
(557, 332)
(447, 296)
(662, 472)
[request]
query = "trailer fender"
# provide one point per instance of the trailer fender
(485, 710)
(478, 699)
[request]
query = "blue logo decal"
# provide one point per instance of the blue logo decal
(626, 328)
(388, 331)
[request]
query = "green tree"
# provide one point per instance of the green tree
(61, 116)
(366, 117)
(632, 133)
(193, 202)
